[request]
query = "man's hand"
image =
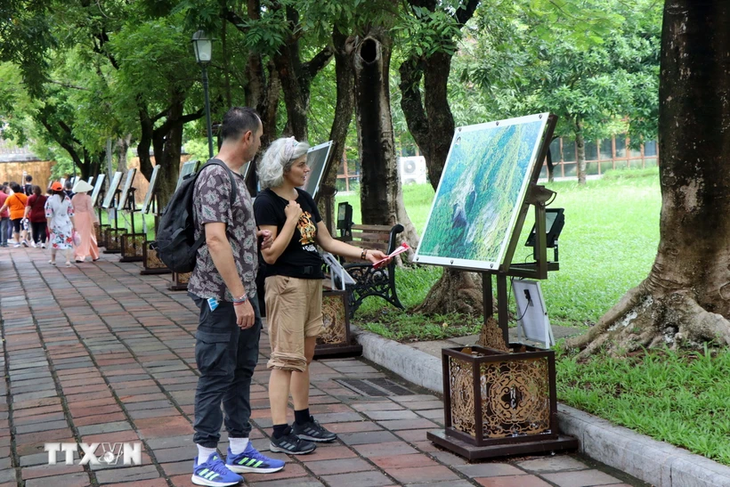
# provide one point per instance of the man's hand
(266, 241)
(245, 316)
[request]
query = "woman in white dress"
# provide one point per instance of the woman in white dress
(60, 216)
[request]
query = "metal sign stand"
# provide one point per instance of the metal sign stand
(480, 420)
(113, 238)
(102, 228)
(133, 242)
(152, 264)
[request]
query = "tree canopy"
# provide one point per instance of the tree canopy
(81, 73)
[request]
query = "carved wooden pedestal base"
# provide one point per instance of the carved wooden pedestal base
(133, 247)
(152, 264)
(335, 339)
(113, 240)
(179, 281)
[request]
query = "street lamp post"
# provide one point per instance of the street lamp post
(203, 46)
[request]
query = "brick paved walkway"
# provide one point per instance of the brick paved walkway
(99, 353)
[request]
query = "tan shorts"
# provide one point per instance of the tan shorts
(293, 312)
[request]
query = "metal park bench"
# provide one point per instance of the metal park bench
(368, 280)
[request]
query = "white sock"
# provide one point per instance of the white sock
(204, 454)
(238, 445)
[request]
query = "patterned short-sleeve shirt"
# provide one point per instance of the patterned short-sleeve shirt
(212, 203)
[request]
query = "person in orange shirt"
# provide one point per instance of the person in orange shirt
(16, 204)
(4, 218)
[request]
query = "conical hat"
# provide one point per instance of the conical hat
(82, 186)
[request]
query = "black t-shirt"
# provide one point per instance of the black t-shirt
(28, 189)
(300, 258)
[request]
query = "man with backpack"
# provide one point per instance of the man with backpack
(224, 289)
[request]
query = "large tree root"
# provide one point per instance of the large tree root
(455, 291)
(646, 319)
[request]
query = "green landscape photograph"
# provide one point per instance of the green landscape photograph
(481, 190)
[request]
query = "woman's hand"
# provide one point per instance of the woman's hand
(293, 211)
(376, 256)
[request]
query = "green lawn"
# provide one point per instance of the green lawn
(607, 246)
(677, 397)
(124, 221)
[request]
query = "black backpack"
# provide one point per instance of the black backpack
(176, 245)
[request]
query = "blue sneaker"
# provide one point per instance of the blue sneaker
(252, 461)
(214, 473)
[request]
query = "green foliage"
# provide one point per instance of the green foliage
(425, 33)
(608, 245)
(25, 39)
(198, 148)
(678, 397)
(591, 63)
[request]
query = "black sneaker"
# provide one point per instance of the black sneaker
(313, 431)
(291, 444)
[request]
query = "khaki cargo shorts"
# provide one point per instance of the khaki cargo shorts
(293, 312)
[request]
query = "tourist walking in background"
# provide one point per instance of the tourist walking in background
(35, 211)
(5, 228)
(60, 218)
(16, 204)
(85, 220)
(28, 187)
(69, 189)
(293, 289)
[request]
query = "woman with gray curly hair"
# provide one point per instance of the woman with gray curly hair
(293, 289)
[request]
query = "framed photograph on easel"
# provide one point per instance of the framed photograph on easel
(317, 160)
(125, 191)
(112, 191)
(150, 191)
(97, 188)
(481, 194)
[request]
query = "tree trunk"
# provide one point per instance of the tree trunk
(580, 145)
(343, 48)
(550, 166)
(465, 294)
(379, 173)
(685, 300)
(92, 163)
(380, 196)
(431, 123)
(122, 146)
(296, 77)
(262, 92)
(166, 142)
(226, 65)
(262, 89)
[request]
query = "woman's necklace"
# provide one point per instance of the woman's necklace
(281, 194)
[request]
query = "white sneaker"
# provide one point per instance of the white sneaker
(32, 244)
(16, 246)
(43, 246)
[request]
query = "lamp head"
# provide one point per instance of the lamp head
(203, 47)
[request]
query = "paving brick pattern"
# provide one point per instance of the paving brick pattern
(99, 353)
